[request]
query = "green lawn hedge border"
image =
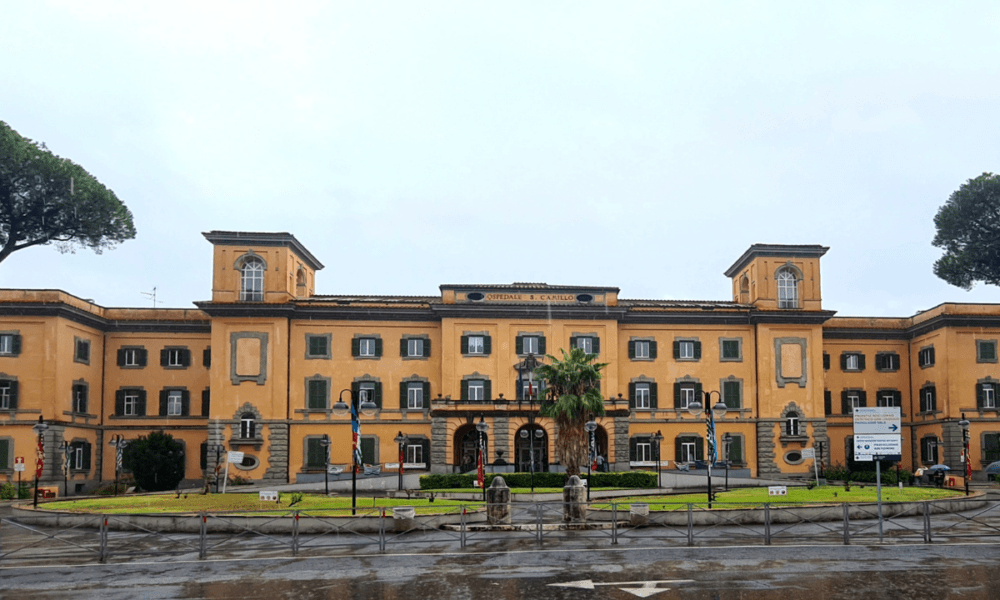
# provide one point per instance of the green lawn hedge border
(621, 479)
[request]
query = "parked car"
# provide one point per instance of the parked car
(993, 471)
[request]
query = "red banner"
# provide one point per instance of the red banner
(401, 453)
(481, 476)
(39, 458)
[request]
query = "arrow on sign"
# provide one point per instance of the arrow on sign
(648, 587)
(893, 427)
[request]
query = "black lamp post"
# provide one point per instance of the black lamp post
(367, 408)
(658, 438)
(118, 442)
(964, 424)
(482, 428)
(591, 427)
(717, 412)
(218, 465)
(401, 440)
(325, 442)
(67, 449)
(727, 440)
(526, 371)
(40, 428)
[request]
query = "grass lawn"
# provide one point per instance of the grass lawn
(237, 502)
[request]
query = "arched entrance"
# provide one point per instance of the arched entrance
(466, 442)
(528, 437)
(601, 449)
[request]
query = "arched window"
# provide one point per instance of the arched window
(300, 283)
(788, 290)
(792, 423)
(252, 280)
(744, 290)
(248, 426)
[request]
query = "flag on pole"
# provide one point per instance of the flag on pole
(481, 474)
(356, 435)
(713, 450)
(39, 458)
(402, 451)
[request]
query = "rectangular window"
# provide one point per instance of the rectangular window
(643, 452)
(689, 349)
(889, 399)
(477, 390)
(687, 397)
(248, 426)
(366, 391)
(853, 401)
(731, 394)
(929, 450)
(991, 447)
(175, 403)
(319, 346)
(476, 344)
(688, 450)
(415, 396)
(9, 344)
(989, 396)
(851, 362)
(731, 350)
(986, 351)
(8, 394)
(366, 347)
(926, 357)
(175, 358)
(79, 398)
(414, 347)
(887, 361)
(529, 344)
(642, 395)
(317, 394)
(642, 349)
(686, 350)
(82, 351)
(586, 344)
(315, 453)
(130, 357)
(415, 454)
(78, 456)
(928, 399)
(131, 406)
(826, 361)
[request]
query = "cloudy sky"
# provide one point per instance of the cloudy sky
(630, 144)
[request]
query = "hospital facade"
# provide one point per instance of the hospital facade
(260, 366)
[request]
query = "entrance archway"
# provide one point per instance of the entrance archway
(528, 436)
(466, 442)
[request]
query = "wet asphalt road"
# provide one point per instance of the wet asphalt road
(968, 571)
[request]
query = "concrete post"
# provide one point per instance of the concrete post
(574, 500)
(498, 502)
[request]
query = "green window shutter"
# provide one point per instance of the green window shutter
(631, 395)
(519, 344)
(488, 390)
(403, 347)
(186, 357)
(678, 450)
(731, 394)
(86, 455)
(845, 403)
(652, 395)
(4, 454)
(355, 391)
(16, 345)
(827, 402)
(697, 350)
(317, 394)
(368, 451)
(185, 403)
(465, 344)
(13, 394)
(700, 397)
(897, 399)
(863, 397)
(206, 357)
(652, 349)
(631, 349)
(991, 447)
(378, 346)
(632, 442)
(699, 448)
(427, 394)
(736, 450)
(843, 361)
(378, 394)
(541, 345)
(979, 395)
(140, 409)
(163, 403)
(487, 344)
(932, 356)
(597, 345)
(861, 361)
(426, 445)
(402, 394)
(121, 357)
(826, 361)
(464, 394)
(677, 395)
(120, 402)
(206, 402)
(677, 349)
(315, 453)
(163, 357)
(572, 341)
(356, 347)
(143, 356)
(427, 347)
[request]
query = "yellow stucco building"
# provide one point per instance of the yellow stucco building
(259, 367)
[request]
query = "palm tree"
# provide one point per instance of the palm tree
(573, 395)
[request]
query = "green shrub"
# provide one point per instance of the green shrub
(622, 479)
(7, 491)
(839, 472)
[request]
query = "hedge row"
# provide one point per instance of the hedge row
(622, 479)
(838, 472)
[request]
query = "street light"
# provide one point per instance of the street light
(118, 442)
(718, 411)
(591, 427)
(325, 442)
(526, 370)
(482, 427)
(401, 440)
(964, 424)
(727, 440)
(40, 429)
(531, 437)
(367, 408)
(658, 437)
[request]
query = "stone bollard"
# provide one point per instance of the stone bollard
(404, 518)
(574, 500)
(498, 502)
(638, 514)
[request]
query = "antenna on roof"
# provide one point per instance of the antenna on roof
(152, 296)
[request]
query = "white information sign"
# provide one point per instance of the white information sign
(19, 467)
(876, 420)
(777, 490)
(234, 457)
(876, 445)
(809, 453)
(268, 496)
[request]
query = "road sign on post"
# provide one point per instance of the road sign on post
(877, 433)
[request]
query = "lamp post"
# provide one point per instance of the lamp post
(401, 440)
(591, 427)
(325, 442)
(367, 408)
(39, 428)
(964, 424)
(717, 412)
(727, 440)
(67, 449)
(658, 437)
(526, 370)
(118, 442)
(482, 427)
(218, 465)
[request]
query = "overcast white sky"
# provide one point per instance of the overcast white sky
(410, 144)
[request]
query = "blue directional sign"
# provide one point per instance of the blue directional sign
(877, 420)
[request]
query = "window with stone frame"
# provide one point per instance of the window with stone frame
(731, 349)
(642, 395)
(685, 393)
(851, 399)
(10, 343)
(318, 346)
(928, 399)
(687, 349)
(986, 395)
(886, 361)
(925, 357)
(929, 450)
(991, 447)
(80, 392)
(852, 361)
(8, 394)
(986, 351)
(642, 349)
(476, 344)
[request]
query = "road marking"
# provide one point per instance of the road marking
(647, 589)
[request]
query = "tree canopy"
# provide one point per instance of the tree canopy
(572, 387)
(968, 229)
(48, 199)
(156, 461)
